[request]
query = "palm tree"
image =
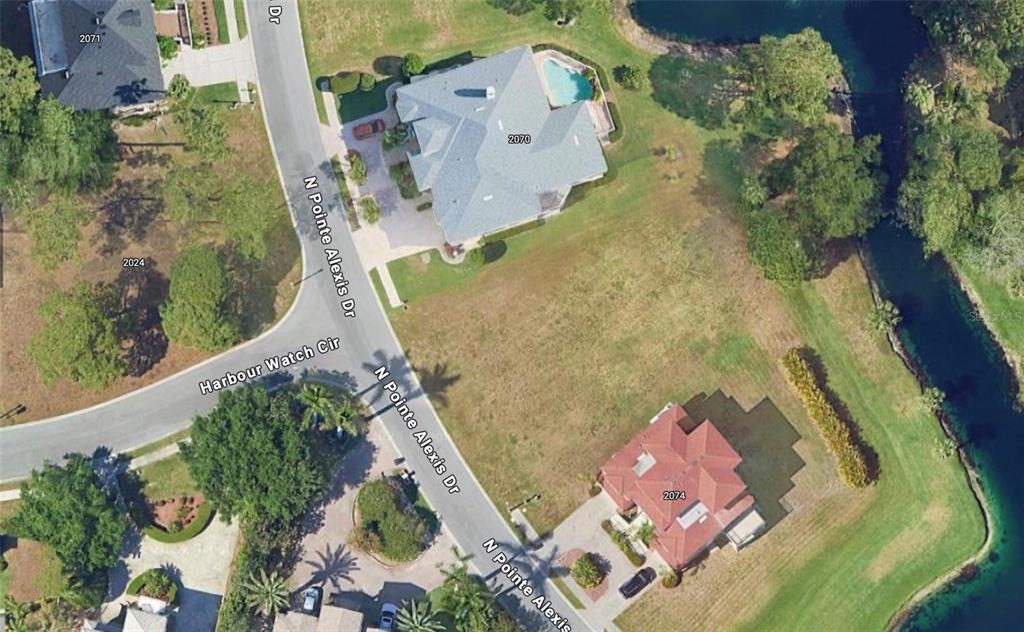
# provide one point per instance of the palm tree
(267, 594)
(466, 597)
(17, 613)
(320, 405)
(417, 617)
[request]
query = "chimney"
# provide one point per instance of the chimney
(489, 92)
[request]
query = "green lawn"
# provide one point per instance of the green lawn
(160, 443)
(243, 28)
(357, 104)
(167, 478)
(556, 354)
(223, 34)
(1004, 314)
(226, 92)
(378, 287)
(569, 595)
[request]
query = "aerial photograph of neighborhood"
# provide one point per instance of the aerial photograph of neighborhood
(511, 315)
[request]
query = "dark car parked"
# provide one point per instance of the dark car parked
(637, 582)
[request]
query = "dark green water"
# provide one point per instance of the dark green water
(876, 42)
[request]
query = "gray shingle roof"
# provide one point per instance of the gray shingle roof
(480, 182)
(122, 68)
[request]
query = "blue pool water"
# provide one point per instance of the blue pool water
(565, 84)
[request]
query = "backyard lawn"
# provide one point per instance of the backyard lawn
(1004, 314)
(642, 293)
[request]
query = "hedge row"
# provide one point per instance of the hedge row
(621, 540)
(502, 235)
(850, 459)
(204, 514)
(615, 134)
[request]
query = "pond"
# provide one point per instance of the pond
(876, 42)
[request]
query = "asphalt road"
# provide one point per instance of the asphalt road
(367, 343)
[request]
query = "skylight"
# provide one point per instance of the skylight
(644, 462)
(692, 515)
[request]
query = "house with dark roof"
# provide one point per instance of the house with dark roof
(96, 54)
(470, 122)
(685, 484)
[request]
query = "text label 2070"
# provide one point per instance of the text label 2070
(133, 262)
(519, 139)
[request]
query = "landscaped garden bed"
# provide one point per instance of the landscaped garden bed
(156, 584)
(392, 521)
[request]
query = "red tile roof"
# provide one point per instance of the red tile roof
(700, 464)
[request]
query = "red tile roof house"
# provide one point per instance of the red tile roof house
(664, 459)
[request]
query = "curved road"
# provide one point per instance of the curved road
(366, 343)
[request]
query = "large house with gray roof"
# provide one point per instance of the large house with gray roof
(481, 182)
(96, 54)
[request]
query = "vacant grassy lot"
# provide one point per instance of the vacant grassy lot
(129, 222)
(560, 351)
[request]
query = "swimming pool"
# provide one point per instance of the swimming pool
(565, 85)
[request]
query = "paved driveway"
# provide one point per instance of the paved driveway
(200, 566)
(582, 530)
(328, 561)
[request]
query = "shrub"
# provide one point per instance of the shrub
(401, 173)
(357, 170)
(204, 514)
(1015, 286)
(345, 82)
(621, 540)
(154, 583)
(670, 578)
(630, 77)
(616, 133)
(884, 317)
(168, 46)
(3, 564)
(932, 399)
(399, 531)
(503, 235)
(371, 210)
(850, 459)
(424, 206)
(412, 64)
(586, 571)
(367, 81)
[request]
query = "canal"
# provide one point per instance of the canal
(876, 42)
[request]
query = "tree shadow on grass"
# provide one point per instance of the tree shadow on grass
(765, 440)
(436, 381)
(126, 213)
(134, 299)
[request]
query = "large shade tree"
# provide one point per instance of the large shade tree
(77, 340)
(198, 312)
(251, 457)
(68, 508)
(789, 79)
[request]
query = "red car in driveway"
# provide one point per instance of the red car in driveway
(366, 130)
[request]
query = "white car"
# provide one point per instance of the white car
(388, 612)
(311, 599)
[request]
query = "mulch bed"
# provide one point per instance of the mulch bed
(567, 560)
(166, 513)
